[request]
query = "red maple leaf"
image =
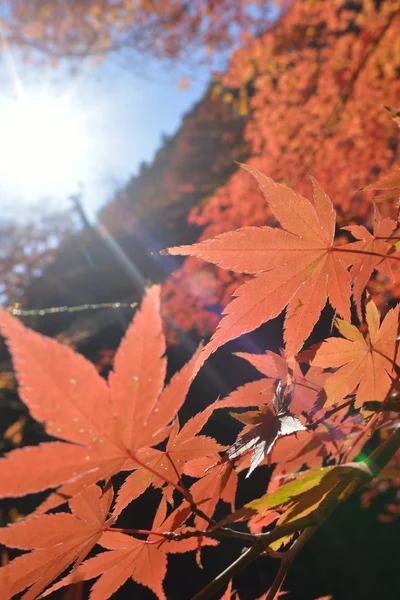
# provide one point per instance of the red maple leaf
(305, 390)
(103, 425)
(390, 182)
(368, 364)
(145, 561)
(307, 398)
(267, 426)
(56, 541)
(361, 271)
(296, 266)
(218, 483)
(183, 447)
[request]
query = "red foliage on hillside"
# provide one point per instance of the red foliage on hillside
(315, 85)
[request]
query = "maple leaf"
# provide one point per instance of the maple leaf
(268, 425)
(361, 271)
(304, 390)
(390, 182)
(227, 595)
(296, 266)
(253, 393)
(283, 496)
(128, 557)
(219, 483)
(103, 425)
(394, 113)
(368, 364)
(56, 541)
(298, 498)
(183, 447)
(145, 561)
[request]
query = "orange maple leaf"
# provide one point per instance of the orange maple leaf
(390, 183)
(56, 541)
(368, 364)
(362, 270)
(183, 447)
(219, 483)
(103, 425)
(145, 561)
(296, 266)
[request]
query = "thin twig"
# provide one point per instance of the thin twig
(192, 503)
(286, 562)
(376, 406)
(329, 413)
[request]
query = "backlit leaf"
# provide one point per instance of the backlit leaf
(294, 266)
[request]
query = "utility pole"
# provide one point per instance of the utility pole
(76, 201)
(114, 248)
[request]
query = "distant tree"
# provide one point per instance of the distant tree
(171, 29)
(26, 249)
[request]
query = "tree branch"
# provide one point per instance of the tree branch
(286, 562)
(351, 483)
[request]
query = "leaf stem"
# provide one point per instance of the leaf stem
(135, 531)
(365, 252)
(329, 413)
(189, 496)
(178, 486)
(168, 481)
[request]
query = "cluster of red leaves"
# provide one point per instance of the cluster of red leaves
(130, 424)
(316, 84)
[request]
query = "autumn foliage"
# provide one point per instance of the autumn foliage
(164, 29)
(311, 403)
(313, 88)
(316, 93)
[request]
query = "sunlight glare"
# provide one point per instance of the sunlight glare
(44, 145)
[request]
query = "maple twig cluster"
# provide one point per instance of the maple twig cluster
(308, 408)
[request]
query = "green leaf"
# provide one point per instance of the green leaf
(286, 493)
(283, 495)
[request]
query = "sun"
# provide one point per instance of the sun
(45, 145)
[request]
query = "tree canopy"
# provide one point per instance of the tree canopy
(173, 29)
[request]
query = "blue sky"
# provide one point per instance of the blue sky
(119, 114)
(135, 114)
(61, 133)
